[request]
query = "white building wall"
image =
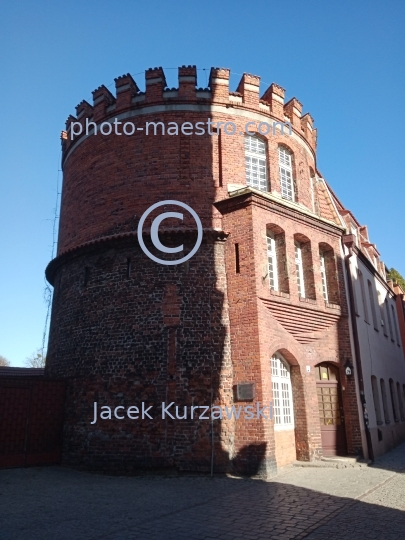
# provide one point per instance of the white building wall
(382, 354)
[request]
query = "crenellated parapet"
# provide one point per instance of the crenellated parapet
(128, 97)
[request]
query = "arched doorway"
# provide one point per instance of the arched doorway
(283, 410)
(330, 408)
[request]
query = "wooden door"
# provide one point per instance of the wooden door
(330, 410)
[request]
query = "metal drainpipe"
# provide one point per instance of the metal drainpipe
(357, 352)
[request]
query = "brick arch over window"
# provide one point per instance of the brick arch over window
(330, 284)
(277, 258)
(304, 270)
(301, 431)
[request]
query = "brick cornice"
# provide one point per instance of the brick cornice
(249, 196)
(118, 241)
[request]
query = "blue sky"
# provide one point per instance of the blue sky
(344, 60)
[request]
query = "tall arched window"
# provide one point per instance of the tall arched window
(286, 173)
(282, 393)
(256, 162)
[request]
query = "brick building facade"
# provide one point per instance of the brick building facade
(263, 300)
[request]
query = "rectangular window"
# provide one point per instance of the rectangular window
(372, 304)
(285, 396)
(387, 308)
(256, 163)
(286, 177)
(380, 303)
(272, 261)
(299, 269)
(323, 275)
(237, 261)
(394, 322)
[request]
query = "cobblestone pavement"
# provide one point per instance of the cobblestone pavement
(314, 503)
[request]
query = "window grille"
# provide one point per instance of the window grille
(255, 162)
(282, 394)
(272, 261)
(286, 177)
(299, 269)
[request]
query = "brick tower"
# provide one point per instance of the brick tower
(127, 330)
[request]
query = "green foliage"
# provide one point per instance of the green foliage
(396, 277)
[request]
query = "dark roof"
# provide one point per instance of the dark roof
(21, 372)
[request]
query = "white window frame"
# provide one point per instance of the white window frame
(256, 163)
(286, 173)
(272, 261)
(283, 407)
(299, 270)
(323, 276)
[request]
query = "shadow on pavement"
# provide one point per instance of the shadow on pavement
(57, 503)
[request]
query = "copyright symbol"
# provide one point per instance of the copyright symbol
(155, 229)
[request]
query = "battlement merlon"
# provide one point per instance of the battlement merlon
(249, 87)
(125, 89)
(219, 84)
(187, 82)
(307, 126)
(274, 96)
(102, 99)
(155, 82)
(293, 109)
(128, 96)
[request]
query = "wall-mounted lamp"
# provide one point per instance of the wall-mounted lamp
(348, 367)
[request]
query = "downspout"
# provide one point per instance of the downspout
(357, 350)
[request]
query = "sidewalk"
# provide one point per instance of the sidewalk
(315, 503)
